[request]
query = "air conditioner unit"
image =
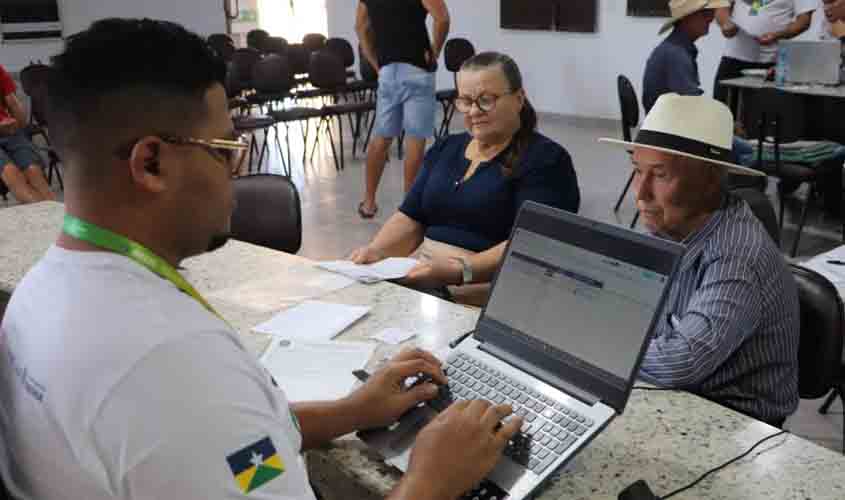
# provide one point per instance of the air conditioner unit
(30, 20)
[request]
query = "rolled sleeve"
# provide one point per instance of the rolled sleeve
(551, 180)
(724, 311)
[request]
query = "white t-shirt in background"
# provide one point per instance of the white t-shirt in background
(114, 384)
(773, 15)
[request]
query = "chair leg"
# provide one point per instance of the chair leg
(624, 192)
(636, 219)
(369, 132)
(802, 221)
(340, 139)
(831, 398)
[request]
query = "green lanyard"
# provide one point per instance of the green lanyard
(114, 242)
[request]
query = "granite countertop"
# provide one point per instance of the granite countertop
(751, 82)
(666, 438)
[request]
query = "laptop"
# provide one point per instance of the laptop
(810, 62)
(570, 315)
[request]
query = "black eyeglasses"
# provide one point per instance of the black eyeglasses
(485, 102)
(230, 152)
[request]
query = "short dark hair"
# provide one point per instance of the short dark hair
(129, 76)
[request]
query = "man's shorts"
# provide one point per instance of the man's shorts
(18, 150)
(405, 101)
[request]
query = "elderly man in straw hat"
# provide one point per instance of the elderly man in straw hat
(673, 65)
(730, 331)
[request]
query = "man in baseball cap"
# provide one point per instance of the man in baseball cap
(730, 331)
(673, 65)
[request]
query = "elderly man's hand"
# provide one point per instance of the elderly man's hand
(730, 29)
(435, 273)
(384, 398)
(834, 10)
(768, 38)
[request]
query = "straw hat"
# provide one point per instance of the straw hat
(692, 126)
(683, 8)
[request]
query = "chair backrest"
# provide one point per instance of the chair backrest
(776, 114)
(327, 70)
(298, 57)
(629, 105)
(241, 68)
(256, 39)
(268, 212)
(456, 52)
(272, 75)
(343, 49)
(763, 209)
(368, 72)
(223, 45)
(276, 45)
(34, 79)
(314, 42)
(820, 351)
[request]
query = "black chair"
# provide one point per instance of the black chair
(314, 42)
(299, 57)
(272, 81)
(34, 79)
(276, 45)
(762, 208)
(629, 106)
(343, 49)
(223, 45)
(778, 118)
(820, 351)
(328, 75)
(239, 75)
(257, 39)
(268, 212)
(455, 53)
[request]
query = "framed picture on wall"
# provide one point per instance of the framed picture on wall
(649, 8)
(30, 20)
(577, 16)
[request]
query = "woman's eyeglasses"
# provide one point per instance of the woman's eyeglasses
(485, 102)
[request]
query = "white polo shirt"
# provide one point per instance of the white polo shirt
(758, 17)
(114, 384)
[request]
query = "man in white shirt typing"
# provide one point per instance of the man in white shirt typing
(117, 379)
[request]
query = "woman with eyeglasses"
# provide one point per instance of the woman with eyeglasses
(458, 215)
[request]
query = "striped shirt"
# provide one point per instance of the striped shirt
(730, 327)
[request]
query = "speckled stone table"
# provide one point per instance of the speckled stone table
(666, 438)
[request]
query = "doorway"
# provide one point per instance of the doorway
(293, 19)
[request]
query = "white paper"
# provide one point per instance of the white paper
(316, 372)
(387, 269)
(393, 336)
(312, 320)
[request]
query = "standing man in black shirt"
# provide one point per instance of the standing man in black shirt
(395, 40)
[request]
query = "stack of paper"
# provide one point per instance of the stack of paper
(316, 372)
(313, 321)
(387, 269)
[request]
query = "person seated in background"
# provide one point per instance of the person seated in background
(459, 212)
(673, 65)
(20, 164)
(730, 329)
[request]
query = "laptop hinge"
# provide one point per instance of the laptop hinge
(544, 375)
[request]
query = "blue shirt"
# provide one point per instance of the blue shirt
(731, 325)
(672, 67)
(478, 214)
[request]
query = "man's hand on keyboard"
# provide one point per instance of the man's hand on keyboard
(461, 446)
(384, 398)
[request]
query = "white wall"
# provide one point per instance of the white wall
(565, 73)
(202, 16)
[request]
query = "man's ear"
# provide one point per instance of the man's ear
(145, 164)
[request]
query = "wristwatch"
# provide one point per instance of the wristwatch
(466, 270)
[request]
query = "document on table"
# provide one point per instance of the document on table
(316, 371)
(313, 321)
(387, 269)
(824, 265)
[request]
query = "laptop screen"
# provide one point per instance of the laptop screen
(579, 296)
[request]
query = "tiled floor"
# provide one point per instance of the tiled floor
(332, 227)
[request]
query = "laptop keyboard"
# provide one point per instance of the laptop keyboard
(550, 427)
